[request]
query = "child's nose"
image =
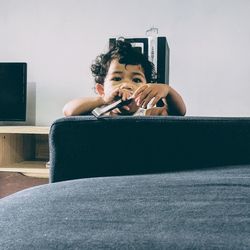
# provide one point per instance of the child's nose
(127, 86)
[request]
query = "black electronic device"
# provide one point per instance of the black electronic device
(99, 111)
(13, 88)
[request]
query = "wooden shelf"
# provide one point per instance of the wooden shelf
(28, 168)
(24, 130)
(24, 149)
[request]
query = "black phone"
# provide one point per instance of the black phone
(97, 112)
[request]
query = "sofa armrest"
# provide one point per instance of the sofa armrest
(84, 146)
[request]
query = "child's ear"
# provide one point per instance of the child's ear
(99, 89)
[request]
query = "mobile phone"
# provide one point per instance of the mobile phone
(97, 112)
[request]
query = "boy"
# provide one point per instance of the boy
(125, 73)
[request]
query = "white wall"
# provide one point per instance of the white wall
(59, 39)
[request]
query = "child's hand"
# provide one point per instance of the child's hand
(161, 111)
(145, 94)
(116, 94)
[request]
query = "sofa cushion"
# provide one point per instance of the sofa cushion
(84, 146)
(199, 209)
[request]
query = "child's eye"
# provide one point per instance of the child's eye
(137, 80)
(116, 79)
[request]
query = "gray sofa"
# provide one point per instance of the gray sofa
(86, 147)
(137, 183)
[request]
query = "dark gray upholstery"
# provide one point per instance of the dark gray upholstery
(175, 183)
(198, 209)
(86, 147)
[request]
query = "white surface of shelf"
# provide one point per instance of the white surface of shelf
(29, 168)
(24, 130)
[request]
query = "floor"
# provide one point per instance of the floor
(13, 182)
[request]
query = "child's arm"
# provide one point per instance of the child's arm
(85, 105)
(155, 92)
(176, 105)
(82, 106)
(156, 111)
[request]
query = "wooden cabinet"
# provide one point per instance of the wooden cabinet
(24, 149)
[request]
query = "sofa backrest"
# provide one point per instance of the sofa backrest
(84, 146)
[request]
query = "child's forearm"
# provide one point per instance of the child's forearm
(176, 105)
(82, 105)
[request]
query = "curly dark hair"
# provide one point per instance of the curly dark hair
(126, 54)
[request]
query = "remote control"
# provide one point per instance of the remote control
(97, 112)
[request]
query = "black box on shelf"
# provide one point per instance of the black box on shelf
(157, 51)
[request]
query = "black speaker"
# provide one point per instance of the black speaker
(13, 88)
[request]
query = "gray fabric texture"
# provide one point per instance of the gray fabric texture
(198, 209)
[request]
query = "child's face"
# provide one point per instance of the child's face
(126, 77)
(129, 77)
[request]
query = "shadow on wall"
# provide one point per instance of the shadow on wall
(31, 104)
